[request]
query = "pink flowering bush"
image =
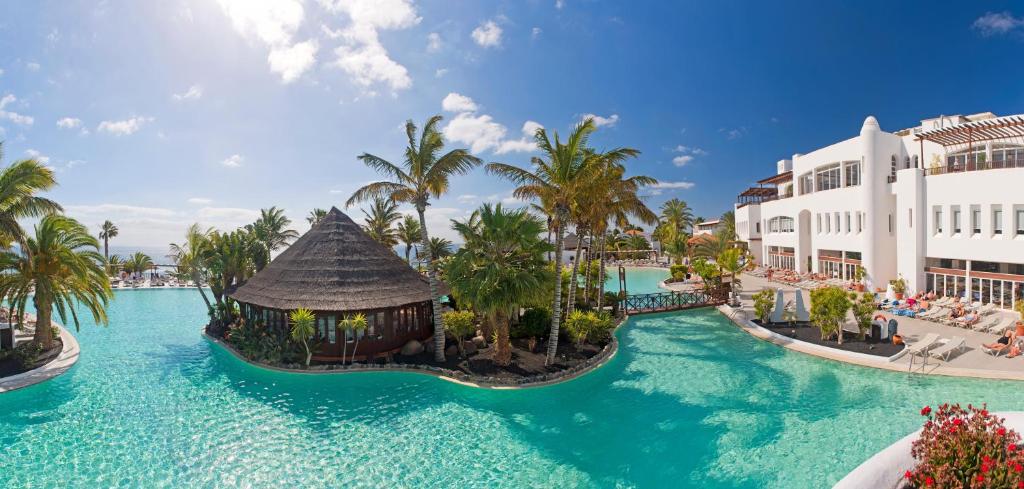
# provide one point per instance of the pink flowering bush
(966, 448)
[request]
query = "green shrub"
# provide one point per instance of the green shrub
(26, 353)
(863, 307)
(828, 310)
(460, 324)
(678, 272)
(589, 326)
(764, 302)
(535, 322)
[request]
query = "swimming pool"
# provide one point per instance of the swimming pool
(688, 400)
(639, 280)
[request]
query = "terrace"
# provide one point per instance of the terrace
(961, 143)
(763, 193)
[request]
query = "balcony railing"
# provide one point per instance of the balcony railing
(975, 166)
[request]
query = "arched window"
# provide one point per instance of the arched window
(906, 162)
(915, 162)
(892, 172)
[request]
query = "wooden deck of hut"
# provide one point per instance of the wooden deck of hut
(334, 270)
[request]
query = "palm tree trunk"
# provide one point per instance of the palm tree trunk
(408, 248)
(432, 278)
(503, 349)
(571, 305)
(587, 271)
(199, 287)
(44, 310)
(106, 249)
(354, 348)
(600, 276)
(344, 344)
(556, 308)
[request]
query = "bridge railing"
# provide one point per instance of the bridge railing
(671, 301)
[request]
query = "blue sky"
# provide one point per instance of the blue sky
(159, 114)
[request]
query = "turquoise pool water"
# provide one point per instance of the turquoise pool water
(639, 280)
(690, 400)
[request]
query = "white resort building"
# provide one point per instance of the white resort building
(940, 205)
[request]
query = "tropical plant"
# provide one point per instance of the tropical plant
(969, 447)
(423, 175)
(357, 324)
(708, 272)
(409, 233)
(730, 262)
(440, 247)
(764, 302)
(533, 323)
(711, 245)
(302, 329)
(862, 306)
(315, 216)
(137, 263)
(678, 272)
(114, 263)
(230, 259)
(59, 267)
(560, 175)
(19, 184)
(108, 231)
(676, 217)
(380, 222)
(500, 267)
(899, 285)
(579, 324)
(460, 324)
(272, 233)
(829, 306)
(190, 258)
(728, 225)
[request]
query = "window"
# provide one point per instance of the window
(1020, 222)
(757, 227)
(890, 224)
(852, 169)
(910, 218)
(780, 225)
(956, 220)
(915, 162)
(836, 217)
(819, 222)
(371, 321)
(892, 172)
(997, 221)
(828, 224)
(848, 227)
(975, 221)
(860, 222)
(938, 221)
(806, 183)
(827, 177)
(332, 330)
(906, 162)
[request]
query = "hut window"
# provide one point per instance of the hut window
(332, 330)
(321, 326)
(396, 324)
(371, 320)
(266, 317)
(381, 323)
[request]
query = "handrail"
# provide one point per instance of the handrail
(975, 166)
(672, 301)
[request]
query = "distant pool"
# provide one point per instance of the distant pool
(690, 400)
(639, 280)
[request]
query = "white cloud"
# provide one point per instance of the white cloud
(682, 160)
(229, 214)
(125, 127)
(363, 56)
(433, 42)
(193, 93)
(524, 144)
(995, 23)
(53, 36)
(32, 66)
(120, 210)
(158, 226)
(440, 72)
(487, 34)
(274, 23)
(14, 117)
(455, 102)
(200, 201)
(535, 33)
(69, 122)
(1, 72)
(292, 61)
(734, 133)
(559, 4)
(233, 161)
(467, 198)
(36, 155)
(599, 121)
(660, 187)
(689, 150)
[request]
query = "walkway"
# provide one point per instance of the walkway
(969, 362)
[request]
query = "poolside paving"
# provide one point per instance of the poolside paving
(971, 361)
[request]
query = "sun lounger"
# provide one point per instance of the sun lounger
(1001, 325)
(986, 323)
(921, 348)
(957, 343)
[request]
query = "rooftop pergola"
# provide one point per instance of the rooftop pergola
(967, 135)
(755, 195)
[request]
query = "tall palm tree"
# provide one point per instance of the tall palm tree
(440, 247)
(423, 175)
(729, 225)
(108, 231)
(315, 216)
(60, 268)
(380, 222)
(409, 233)
(190, 258)
(560, 176)
(19, 184)
(500, 267)
(271, 230)
(677, 216)
(138, 263)
(711, 246)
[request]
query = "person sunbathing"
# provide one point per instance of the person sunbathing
(1003, 342)
(957, 312)
(968, 319)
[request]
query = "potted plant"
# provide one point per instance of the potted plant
(858, 278)
(899, 286)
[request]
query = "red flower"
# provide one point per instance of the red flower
(1012, 447)
(1017, 467)
(925, 411)
(957, 421)
(980, 478)
(929, 481)
(984, 412)
(1020, 485)
(1001, 431)
(908, 475)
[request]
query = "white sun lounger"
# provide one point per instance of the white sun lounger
(957, 343)
(1000, 325)
(921, 348)
(986, 323)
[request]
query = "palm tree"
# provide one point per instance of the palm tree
(409, 233)
(114, 263)
(190, 258)
(440, 247)
(560, 175)
(676, 216)
(380, 220)
(315, 216)
(711, 245)
(271, 230)
(358, 324)
(729, 225)
(138, 263)
(500, 267)
(302, 329)
(19, 184)
(422, 175)
(60, 268)
(108, 231)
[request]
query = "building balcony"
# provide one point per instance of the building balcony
(975, 166)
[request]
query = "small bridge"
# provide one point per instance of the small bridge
(673, 301)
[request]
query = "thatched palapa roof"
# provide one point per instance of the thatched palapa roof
(335, 266)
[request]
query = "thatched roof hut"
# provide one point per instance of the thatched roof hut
(336, 269)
